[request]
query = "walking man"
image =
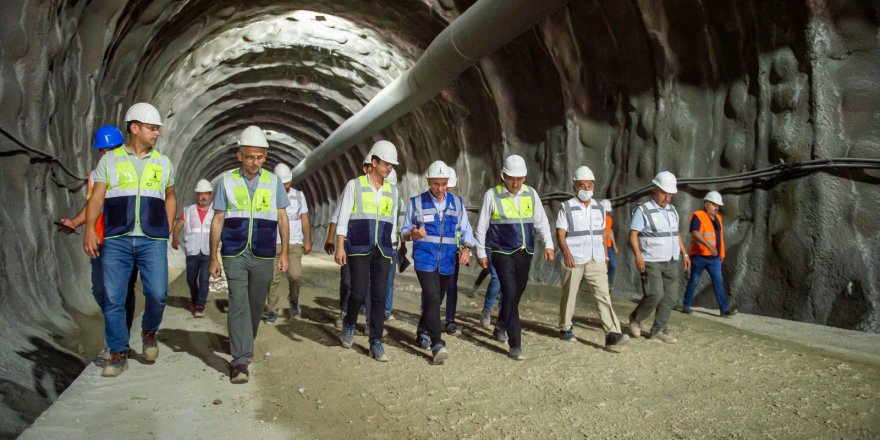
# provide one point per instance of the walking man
(707, 252)
(107, 138)
(134, 186)
(610, 243)
(249, 214)
(367, 215)
(654, 240)
(195, 222)
(510, 215)
(300, 243)
(580, 230)
(433, 221)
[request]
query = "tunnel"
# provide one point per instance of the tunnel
(704, 89)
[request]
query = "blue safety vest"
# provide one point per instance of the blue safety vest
(134, 200)
(512, 229)
(250, 221)
(440, 248)
(372, 221)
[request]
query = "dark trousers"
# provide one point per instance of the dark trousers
(433, 284)
(513, 273)
(344, 287)
(452, 294)
(197, 277)
(368, 272)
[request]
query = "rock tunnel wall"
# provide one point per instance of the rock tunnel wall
(630, 88)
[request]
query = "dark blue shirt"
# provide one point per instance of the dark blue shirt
(695, 226)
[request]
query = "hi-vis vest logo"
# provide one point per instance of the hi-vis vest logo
(152, 176)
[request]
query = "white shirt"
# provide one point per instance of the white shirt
(298, 207)
(657, 249)
(584, 248)
(539, 217)
(345, 206)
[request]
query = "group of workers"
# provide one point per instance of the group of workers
(254, 226)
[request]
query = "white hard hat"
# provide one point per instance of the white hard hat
(392, 177)
(253, 136)
(666, 181)
(386, 151)
(368, 159)
(203, 186)
(453, 179)
(514, 166)
(144, 113)
(606, 205)
(283, 172)
(583, 173)
(714, 197)
(438, 170)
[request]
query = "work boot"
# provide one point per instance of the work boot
(295, 310)
(347, 335)
(664, 336)
(615, 340)
(440, 354)
(271, 317)
(567, 335)
(239, 374)
(486, 318)
(377, 352)
(150, 347)
(423, 340)
(500, 334)
(117, 363)
(516, 354)
(635, 330)
(102, 358)
(729, 312)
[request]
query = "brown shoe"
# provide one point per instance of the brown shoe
(116, 365)
(239, 374)
(151, 347)
(635, 329)
(664, 336)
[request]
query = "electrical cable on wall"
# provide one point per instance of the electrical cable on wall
(44, 155)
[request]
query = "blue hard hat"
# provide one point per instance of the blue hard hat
(108, 136)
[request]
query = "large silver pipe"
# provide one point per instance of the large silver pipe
(481, 30)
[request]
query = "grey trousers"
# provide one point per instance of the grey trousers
(661, 294)
(248, 278)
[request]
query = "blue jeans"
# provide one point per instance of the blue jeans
(494, 286)
(713, 265)
(197, 277)
(119, 257)
(612, 265)
(99, 293)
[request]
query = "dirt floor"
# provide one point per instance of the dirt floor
(743, 377)
(718, 381)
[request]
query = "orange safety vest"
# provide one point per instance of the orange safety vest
(608, 223)
(707, 231)
(99, 225)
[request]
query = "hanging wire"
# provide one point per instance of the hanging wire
(45, 156)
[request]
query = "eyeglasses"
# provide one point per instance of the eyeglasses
(255, 157)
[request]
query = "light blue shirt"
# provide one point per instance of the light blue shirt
(464, 227)
(220, 192)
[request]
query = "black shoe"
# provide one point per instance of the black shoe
(451, 328)
(729, 312)
(685, 310)
(500, 334)
(566, 335)
(423, 340)
(615, 340)
(239, 374)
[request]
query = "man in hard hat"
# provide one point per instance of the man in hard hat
(134, 186)
(195, 222)
(107, 138)
(330, 248)
(367, 217)
(654, 240)
(510, 215)
(707, 252)
(610, 242)
(300, 243)
(249, 214)
(434, 219)
(580, 230)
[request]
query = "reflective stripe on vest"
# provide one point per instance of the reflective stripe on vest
(372, 221)
(196, 232)
(250, 222)
(707, 231)
(437, 251)
(583, 239)
(512, 229)
(133, 200)
(99, 225)
(660, 241)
